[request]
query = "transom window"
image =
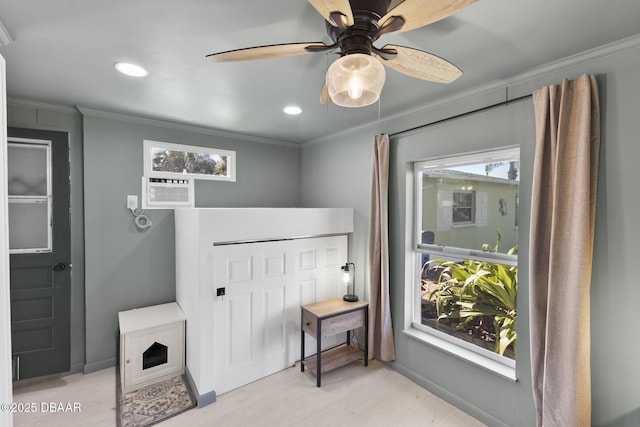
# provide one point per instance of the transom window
(166, 160)
(465, 247)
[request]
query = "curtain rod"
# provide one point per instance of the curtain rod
(477, 110)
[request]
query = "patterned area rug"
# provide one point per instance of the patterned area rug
(154, 403)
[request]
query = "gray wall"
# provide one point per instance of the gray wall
(31, 115)
(614, 289)
(494, 128)
(126, 268)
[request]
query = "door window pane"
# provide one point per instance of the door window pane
(28, 225)
(29, 185)
(27, 169)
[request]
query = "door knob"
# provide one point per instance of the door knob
(59, 267)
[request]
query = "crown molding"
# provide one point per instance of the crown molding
(38, 105)
(5, 37)
(182, 127)
(490, 93)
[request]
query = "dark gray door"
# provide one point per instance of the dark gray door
(39, 244)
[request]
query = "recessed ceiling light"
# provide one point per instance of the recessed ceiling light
(132, 70)
(292, 110)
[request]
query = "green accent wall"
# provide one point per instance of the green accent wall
(126, 268)
(614, 290)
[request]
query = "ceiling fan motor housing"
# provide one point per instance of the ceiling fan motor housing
(379, 7)
(359, 37)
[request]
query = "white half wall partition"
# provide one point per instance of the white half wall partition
(241, 276)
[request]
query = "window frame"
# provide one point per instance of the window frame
(149, 145)
(465, 350)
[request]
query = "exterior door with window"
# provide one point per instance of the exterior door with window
(39, 246)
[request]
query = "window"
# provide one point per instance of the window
(165, 160)
(465, 248)
(30, 196)
(462, 211)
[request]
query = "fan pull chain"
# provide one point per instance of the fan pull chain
(326, 55)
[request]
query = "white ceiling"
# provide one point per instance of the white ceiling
(63, 53)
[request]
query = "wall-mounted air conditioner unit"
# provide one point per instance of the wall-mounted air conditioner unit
(165, 193)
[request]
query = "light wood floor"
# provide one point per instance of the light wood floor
(350, 396)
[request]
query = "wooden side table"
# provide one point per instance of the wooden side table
(328, 318)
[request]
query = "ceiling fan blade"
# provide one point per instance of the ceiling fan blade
(420, 64)
(324, 95)
(418, 13)
(264, 52)
(326, 7)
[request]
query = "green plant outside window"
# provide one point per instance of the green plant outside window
(476, 298)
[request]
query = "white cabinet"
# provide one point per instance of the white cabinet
(241, 277)
(152, 345)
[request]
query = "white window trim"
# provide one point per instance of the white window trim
(148, 159)
(455, 349)
(500, 365)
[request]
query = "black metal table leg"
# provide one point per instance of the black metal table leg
(301, 343)
(366, 336)
(319, 353)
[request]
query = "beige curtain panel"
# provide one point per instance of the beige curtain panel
(562, 228)
(381, 344)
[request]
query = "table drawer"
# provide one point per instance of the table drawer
(309, 323)
(342, 323)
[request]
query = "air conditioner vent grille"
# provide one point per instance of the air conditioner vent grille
(165, 193)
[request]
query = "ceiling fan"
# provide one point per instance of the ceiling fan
(356, 79)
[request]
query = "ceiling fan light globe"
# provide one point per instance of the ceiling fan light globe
(355, 80)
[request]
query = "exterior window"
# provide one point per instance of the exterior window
(465, 248)
(165, 160)
(463, 207)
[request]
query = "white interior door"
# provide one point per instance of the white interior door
(250, 319)
(318, 277)
(257, 320)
